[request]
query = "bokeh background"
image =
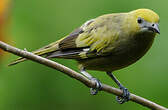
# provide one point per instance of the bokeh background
(32, 86)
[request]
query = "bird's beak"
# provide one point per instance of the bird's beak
(155, 28)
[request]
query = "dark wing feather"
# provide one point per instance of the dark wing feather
(69, 41)
(67, 54)
(68, 47)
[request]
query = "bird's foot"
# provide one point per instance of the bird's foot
(125, 97)
(94, 91)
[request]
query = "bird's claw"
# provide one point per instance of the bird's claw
(94, 91)
(125, 97)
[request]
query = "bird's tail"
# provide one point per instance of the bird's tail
(42, 51)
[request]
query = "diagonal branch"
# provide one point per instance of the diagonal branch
(77, 76)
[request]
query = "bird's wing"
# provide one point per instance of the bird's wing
(92, 39)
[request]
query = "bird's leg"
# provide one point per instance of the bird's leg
(126, 95)
(93, 91)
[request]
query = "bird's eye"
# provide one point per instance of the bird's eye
(139, 20)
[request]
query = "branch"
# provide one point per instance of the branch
(78, 76)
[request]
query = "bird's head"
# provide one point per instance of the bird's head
(146, 20)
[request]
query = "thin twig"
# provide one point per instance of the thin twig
(77, 76)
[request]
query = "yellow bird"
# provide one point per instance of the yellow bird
(107, 43)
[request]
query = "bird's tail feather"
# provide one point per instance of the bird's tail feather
(42, 51)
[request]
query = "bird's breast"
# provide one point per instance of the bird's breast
(133, 49)
(125, 54)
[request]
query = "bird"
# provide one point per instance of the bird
(106, 43)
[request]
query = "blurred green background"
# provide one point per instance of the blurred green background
(31, 86)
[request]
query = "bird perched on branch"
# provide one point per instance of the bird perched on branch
(107, 43)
